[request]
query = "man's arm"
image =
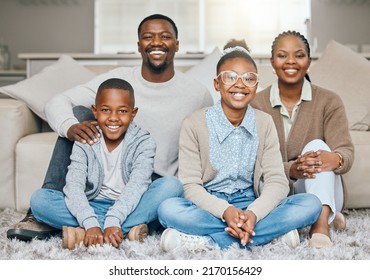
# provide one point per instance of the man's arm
(59, 109)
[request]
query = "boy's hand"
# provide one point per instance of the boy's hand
(84, 132)
(114, 236)
(93, 236)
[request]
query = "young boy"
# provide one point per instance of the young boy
(106, 180)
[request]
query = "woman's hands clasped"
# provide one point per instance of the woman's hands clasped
(310, 163)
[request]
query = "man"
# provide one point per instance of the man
(164, 97)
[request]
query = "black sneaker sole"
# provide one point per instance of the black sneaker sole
(28, 235)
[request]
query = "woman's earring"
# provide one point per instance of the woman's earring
(273, 71)
(308, 71)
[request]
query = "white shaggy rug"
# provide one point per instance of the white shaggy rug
(351, 244)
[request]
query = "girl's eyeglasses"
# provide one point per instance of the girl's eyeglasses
(249, 79)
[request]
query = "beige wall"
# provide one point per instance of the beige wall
(53, 26)
(47, 26)
(344, 23)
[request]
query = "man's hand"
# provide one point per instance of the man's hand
(84, 132)
(114, 236)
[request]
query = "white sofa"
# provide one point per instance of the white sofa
(27, 142)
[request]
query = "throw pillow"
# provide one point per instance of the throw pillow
(363, 125)
(205, 72)
(347, 73)
(53, 79)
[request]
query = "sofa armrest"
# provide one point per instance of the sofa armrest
(16, 121)
(357, 181)
(33, 154)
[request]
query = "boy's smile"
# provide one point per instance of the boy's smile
(114, 111)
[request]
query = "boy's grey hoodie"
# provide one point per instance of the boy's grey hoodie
(85, 177)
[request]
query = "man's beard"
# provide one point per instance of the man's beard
(157, 68)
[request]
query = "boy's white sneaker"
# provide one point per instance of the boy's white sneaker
(172, 239)
(291, 238)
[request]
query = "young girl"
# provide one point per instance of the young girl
(313, 132)
(235, 189)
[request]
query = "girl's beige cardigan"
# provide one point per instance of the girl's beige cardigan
(195, 168)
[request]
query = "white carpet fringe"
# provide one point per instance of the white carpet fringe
(351, 244)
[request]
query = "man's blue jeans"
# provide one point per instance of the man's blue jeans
(48, 205)
(56, 173)
(294, 212)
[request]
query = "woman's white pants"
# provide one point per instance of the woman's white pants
(327, 186)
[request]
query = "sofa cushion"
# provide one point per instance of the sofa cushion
(357, 181)
(363, 125)
(17, 121)
(347, 73)
(205, 71)
(32, 155)
(53, 79)
(266, 75)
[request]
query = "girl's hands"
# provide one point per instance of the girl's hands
(240, 224)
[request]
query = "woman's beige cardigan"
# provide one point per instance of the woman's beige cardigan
(323, 117)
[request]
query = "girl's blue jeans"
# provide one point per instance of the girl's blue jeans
(48, 205)
(294, 212)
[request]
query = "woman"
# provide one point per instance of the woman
(226, 151)
(313, 132)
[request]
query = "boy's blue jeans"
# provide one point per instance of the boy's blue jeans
(48, 205)
(294, 212)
